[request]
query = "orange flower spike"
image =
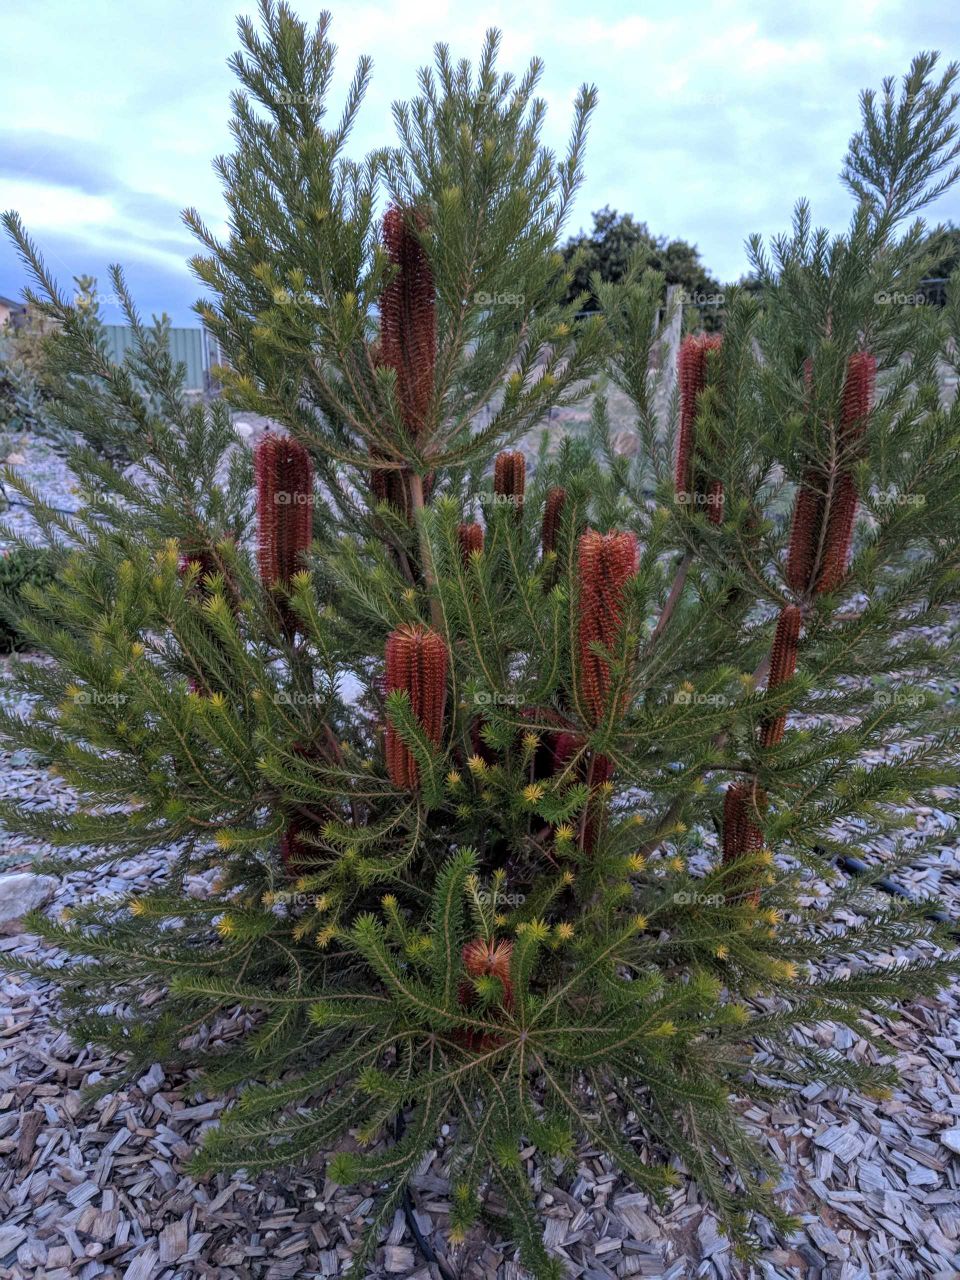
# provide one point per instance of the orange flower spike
(692, 378)
(783, 665)
(470, 538)
(741, 835)
(606, 564)
(509, 479)
(416, 661)
(408, 317)
(552, 515)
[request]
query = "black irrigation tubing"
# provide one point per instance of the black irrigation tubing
(857, 867)
(423, 1244)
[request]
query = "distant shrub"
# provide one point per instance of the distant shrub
(20, 567)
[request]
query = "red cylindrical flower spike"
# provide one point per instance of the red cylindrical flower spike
(741, 835)
(417, 663)
(783, 665)
(284, 476)
(857, 400)
(509, 479)
(552, 515)
(817, 557)
(606, 564)
(805, 532)
(470, 537)
(692, 377)
(408, 317)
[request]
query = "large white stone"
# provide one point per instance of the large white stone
(20, 893)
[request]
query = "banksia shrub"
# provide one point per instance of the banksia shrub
(515, 927)
(408, 316)
(284, 478)
(417, 665)
(692, 371)
(509, 479)
(607, 562)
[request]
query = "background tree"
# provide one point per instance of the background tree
(617, 240)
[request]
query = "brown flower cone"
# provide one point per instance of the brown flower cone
(803, 573)
(783, 666)
(416, 662)
(408, 317)
(470, 538)
(552, 517)
(509, 479)
(692, 378)
(284, 478)
(805, 532)
(606, 564)
(741, 835)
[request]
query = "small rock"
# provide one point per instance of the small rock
(951, 1139)
(22, 892)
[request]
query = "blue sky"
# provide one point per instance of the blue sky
(714, 115)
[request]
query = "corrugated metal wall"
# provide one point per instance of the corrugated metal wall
(186, 346)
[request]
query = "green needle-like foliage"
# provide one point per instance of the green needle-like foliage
(549, 923)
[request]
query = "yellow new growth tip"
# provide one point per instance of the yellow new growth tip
(666, 1028)
(676, 864)
(388, 902)
(454, 778)
(137, 649)
(567, 878)
(476, 764)
(531, 741)
(223, 840)
(564, 833)
(786, 969)
(136, 907)
(640, 922)
(226, 927)
(771, 915)
(533, 793)
(636, 862)
(564, 931)
(722, 952)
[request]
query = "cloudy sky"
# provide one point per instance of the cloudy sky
(714, 115)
